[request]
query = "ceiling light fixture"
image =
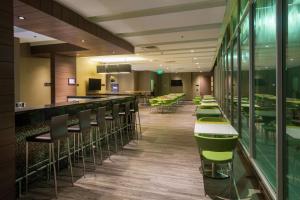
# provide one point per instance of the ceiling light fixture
(118, 59)
(21, 17)
(83, 41)
(195, 58)
(192, 51)
(197, 63)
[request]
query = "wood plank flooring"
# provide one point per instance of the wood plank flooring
(164, 165)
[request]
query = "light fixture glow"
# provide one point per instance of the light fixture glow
(83, 41)
(21, 17)
(118, 59)
(195, 58)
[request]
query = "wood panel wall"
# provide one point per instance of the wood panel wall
(7, 115)
(64, 68)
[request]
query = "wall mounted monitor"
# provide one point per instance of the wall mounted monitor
(176, 83)
(94, 84)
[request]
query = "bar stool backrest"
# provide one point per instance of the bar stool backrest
(115, 110)
(216, 144)
(85, 120)
(136, 105)
(100, 117)
(127, 108)
(58, 127)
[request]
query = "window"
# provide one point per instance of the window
(265, 88)
(235, 85)
(244, 84)
(293, 100)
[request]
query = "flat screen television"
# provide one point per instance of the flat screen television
(176, 83)
(94, 84)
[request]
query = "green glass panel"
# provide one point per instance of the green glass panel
(235, 86)
(228, 84)
(245, 82)
(265, 88)
(243, 6)
(293, 100)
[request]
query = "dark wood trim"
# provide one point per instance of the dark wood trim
(52, 19)
(46, 50)
(52, 75)
(7, 105)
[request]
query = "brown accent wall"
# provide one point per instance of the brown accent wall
(64, 68)
(7, 115)
(201, 83)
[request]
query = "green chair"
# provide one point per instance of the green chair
(213, 119)
(217, 150)
(154, 103)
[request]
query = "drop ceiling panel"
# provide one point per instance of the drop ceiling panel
(89, 8)
(177, 36)
(170, 20)
(177, 51)
(187, 45)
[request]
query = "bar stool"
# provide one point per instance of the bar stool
(84, 128)
(58, 130)
(137, 121)
(100, 130)
(125, 119)
(114, 124)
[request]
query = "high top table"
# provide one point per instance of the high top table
(214, 129)
(210, 104)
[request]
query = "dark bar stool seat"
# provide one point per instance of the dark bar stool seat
(100, 128)
(125, 120)
(83, 128)
(58, 131)
(114, 124)
(136, 118)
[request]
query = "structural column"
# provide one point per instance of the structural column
(7, 101)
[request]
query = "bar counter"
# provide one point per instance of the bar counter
(35, 120)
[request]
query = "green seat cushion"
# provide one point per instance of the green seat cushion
(217, 156)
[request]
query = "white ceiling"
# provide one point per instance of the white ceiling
(33, 38)
(184, 33)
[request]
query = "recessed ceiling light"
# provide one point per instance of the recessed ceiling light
(192, 51)
(200, 71)
(199, 67)
(197, 63)
(83, 41)
(21, 17)
(160, 65)
(195, 58)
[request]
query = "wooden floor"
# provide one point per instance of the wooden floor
(164, 165)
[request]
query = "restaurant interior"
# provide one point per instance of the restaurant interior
(150, 99)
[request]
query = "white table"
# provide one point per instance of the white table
(215, 129)
(293, 131)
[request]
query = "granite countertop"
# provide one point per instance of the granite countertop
(89, 99)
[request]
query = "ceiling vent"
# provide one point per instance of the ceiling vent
(170, 61)
(114, 69)
(150, 48)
